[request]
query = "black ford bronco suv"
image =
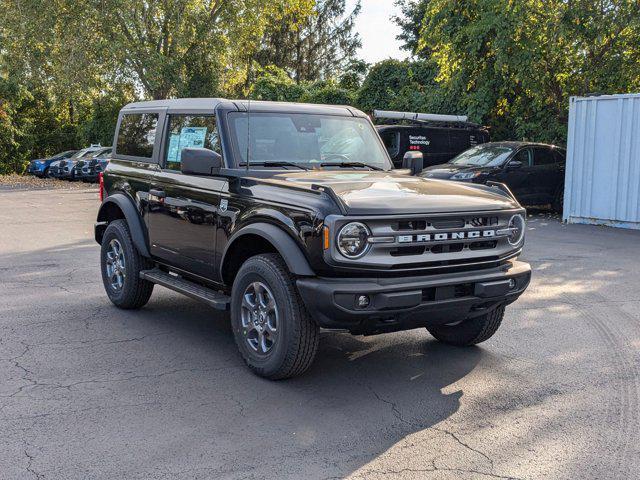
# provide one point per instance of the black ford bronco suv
(292, 217)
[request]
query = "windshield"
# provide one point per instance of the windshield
(308, 140)
(80, 154)
(485, 155)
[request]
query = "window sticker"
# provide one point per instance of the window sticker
(174, 143)
(189, 137)
(192, 137)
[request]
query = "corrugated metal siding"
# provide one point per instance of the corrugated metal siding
(602, 183)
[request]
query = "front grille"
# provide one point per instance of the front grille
(434, 242)
(411, 225)
(447, 223)
(418, 224)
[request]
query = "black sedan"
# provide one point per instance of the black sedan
(533, 171)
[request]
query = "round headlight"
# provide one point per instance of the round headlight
(517, 226)
(352, 240)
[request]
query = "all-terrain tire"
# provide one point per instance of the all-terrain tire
(298, 335)
(135, 292)
(470, 332)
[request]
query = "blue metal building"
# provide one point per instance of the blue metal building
(602, 183)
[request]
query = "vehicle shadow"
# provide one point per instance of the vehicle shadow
(361, 396)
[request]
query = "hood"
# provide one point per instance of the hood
(391, 193)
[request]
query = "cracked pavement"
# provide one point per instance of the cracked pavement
(91, 392)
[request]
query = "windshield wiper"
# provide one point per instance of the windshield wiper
(276, 164)
(349, 164)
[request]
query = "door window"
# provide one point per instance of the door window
(524, 156)
(189, 131)
(392, 142)
(543, 156)
(137, 134)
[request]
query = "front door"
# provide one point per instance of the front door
(546, 175)
(518, 178)
(183, 209)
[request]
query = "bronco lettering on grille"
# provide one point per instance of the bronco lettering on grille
(437, 237)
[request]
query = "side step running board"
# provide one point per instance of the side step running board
(215, 299)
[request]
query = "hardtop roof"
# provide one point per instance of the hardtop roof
(257, 106)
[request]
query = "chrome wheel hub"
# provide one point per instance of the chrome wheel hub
(116, 269)
(259, 316)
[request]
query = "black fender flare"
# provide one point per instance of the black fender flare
(131, 215)
(286, 246)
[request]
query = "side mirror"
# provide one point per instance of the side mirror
(414, 161)
(200, 161)
(514, 164)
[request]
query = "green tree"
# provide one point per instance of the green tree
(328, 92)
(272, 83)
(514, 63)
(407, 86)
(102, 115)
(353, 74)
(312, 47)
(11, 98)
(412, 13)
(186, 46)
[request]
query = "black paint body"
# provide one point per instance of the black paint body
(192, 224)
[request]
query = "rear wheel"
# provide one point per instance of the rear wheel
(121, 264)
(272, 328)
(469, 332)
(46, 174)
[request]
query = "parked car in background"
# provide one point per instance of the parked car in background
(64, 168)
(40, 167)
(533, 171)
(96, 167)
(438, 137)
(81, 168)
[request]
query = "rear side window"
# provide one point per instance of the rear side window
(543, 156)
(561, 155)
(137, 134)
(189, 131)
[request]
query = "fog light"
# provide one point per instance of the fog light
(363, 301)
(512, 284)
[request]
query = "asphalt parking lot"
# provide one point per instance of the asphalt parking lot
(88, 391)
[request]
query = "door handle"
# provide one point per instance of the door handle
(157, 193)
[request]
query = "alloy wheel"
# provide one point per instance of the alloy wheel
(259, 315)
(116, 269)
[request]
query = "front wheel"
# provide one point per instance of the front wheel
(272, 328)
(121, 264)
(470, 332)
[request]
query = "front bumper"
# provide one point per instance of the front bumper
(411, 302)
(37, 170)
